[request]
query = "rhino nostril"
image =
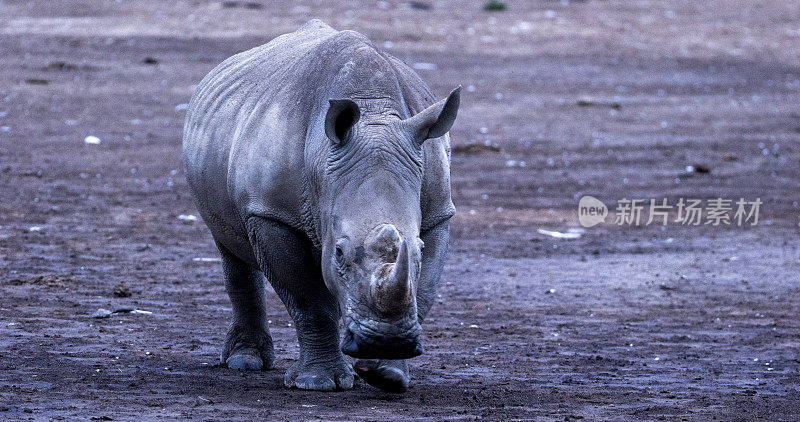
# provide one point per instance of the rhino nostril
(388, 347)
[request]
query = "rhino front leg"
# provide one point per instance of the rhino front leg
(286, 257)
(394, 375)
(433, 256)
(248, 345)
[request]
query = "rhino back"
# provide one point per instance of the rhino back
(246, 130)
(253, 139)
(435, 198)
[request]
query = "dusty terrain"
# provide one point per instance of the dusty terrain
(608, 98)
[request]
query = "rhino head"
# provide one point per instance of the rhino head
(371, 247)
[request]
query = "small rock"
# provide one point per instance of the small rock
(419, 5)
(36, 81)
(495, 6)
(121, 290)
(729, 157)
(60, 65)
(101, 313)
(232, 4)
(92, 140)
(572, 233)
(588, 102)
(702, 168)
(187, 217)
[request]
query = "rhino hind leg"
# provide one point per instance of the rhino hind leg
(248, 344)
(388, 375)
(286, 256)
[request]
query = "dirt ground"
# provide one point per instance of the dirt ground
(608, 98)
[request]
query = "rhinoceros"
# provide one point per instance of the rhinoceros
(324, 164)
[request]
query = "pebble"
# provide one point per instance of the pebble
(92, 140)
(102, 313)
(187, 217)
(573, 233)
(121, 290)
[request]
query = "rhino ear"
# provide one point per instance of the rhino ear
(437, 119)
(342, 115)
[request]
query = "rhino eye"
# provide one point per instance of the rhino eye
(338, 252)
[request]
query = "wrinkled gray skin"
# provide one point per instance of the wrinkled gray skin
(325, 165)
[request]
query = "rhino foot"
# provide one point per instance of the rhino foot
(388, 375)
(248, 351)
(319, 376)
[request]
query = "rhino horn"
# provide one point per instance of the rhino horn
(393, 292)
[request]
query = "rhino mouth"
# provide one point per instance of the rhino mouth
(362, 342)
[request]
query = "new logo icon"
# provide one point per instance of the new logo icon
(591, 211)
